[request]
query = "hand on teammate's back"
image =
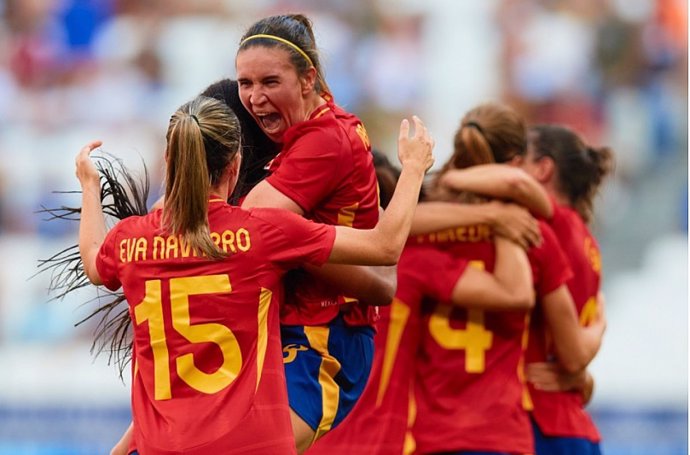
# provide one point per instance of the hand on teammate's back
(515, 223)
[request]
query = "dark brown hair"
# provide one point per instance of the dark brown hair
(580, 168)
(387, 177)
(295, 28)
(257, 148)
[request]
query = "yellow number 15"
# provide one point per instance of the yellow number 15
(150, 310)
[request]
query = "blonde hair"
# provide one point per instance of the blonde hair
(203, 137)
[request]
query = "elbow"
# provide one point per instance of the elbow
(92, 275)
(526, 301)
(389, 248)
(574, 364)
(572, 367)
(390, 257)
(445, 179)
(518, 185)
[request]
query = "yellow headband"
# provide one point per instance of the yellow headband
(281, 40)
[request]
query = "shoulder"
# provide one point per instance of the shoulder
(549, 252)
(322, 128)
(273, 218)
(136, 223)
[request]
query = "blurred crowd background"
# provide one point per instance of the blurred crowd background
(614, 70)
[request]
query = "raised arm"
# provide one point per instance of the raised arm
(501, 181)
(92, 229)
(383, 244)
(575, 345)
(509, 220)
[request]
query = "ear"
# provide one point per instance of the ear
(237, 161)
(308, 81)
(545, 169)
(516, 160)
(232, 172)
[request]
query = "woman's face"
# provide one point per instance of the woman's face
(270, 89)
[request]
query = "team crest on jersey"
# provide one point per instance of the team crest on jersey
(362, 133)
(593, 254)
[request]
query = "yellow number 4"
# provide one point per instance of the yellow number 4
(474, 338)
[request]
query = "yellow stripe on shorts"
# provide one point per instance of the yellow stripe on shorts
(330, 392)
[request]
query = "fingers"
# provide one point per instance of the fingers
(404, 129)
(417, 150)
(88, 148)
(85, 170)
(419, 128)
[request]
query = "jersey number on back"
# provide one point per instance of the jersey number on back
(474, 338)
(150, 310)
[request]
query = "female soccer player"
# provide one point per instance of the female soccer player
(324, 172)
(202, 279)
(378, 424)
(470, 378)
(571, 172)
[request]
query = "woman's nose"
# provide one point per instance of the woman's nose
(257, 96)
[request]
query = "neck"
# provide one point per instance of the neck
(222, 190)
(560, 198)
(314, 102)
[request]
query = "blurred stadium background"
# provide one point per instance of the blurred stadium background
(615, 70)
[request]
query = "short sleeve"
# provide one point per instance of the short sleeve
(292, 240)
(106, 262)
(550, 266)
(311, 169)
(435, 273)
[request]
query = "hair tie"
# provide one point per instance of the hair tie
(195, 119)
(475, 125)
(280, 40)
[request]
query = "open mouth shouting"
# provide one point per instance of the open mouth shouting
(269, 122)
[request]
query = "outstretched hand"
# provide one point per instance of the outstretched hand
(416, 150)
(85, 168)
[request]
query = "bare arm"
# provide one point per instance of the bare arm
(383, 244)
(575, 345)
(367, 284)
(510, 286)
(371, 285)
(92, 229)
(509, 220)
(122, 446)
(501, 181)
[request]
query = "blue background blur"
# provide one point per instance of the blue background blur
(615, 70)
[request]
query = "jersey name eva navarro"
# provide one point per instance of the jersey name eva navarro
(135, 249)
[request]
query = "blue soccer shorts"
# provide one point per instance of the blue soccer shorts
(326, 368)
(556, 445)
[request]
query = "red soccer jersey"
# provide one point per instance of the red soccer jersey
(469, 386)
(563, 414)
(326, 167)
(208, 372)
(379, 421)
